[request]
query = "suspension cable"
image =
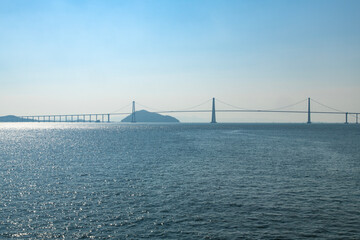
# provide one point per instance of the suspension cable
(120, 108)
(230, 104)
(287, 106)
(198, 105)
(154, 109)
(326, 106)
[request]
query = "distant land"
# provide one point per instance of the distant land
(141, 116)
(12, 118)
(145, 116)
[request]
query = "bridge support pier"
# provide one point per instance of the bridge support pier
(108, 118)
(213, 114)
(309, 112)
(346, 118)
(357, 119)
(133, 119)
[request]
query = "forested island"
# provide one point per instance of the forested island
(145, 116)
(12, 118)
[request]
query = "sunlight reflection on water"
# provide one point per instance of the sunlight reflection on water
(186, 181)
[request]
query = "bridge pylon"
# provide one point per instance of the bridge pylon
(213, 116)
(133, 119)
(309, 112)
(346, 118)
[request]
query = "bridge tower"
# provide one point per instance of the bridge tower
(213, 117)
(346, 118)
(309, 112)
(133, 119)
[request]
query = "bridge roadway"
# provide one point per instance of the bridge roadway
(106, 117)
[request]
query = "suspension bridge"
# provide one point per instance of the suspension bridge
(106, 117)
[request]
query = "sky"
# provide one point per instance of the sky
(65, 57)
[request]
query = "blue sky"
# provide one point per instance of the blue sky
(60, 57)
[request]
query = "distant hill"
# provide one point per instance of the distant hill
(12, 118)
(145, 116)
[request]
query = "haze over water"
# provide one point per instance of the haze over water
(179, 181)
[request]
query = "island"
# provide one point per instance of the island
(12, 118)
(145, 116)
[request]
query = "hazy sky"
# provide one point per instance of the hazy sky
(59, 57)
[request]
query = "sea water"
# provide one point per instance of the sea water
(179, 181)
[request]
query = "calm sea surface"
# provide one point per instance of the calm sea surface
(179, 181)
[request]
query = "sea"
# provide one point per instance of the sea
(179, 181)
